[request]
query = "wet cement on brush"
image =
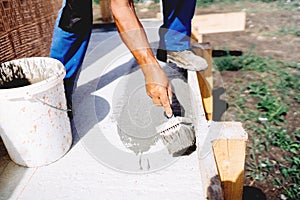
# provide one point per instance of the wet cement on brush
(12, 76)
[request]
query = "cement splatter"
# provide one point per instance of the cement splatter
(142, 162)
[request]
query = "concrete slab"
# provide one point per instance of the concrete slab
(116, 153)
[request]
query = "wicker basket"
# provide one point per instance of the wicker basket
(26, 27)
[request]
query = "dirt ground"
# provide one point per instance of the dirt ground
(262, 32)
(263, 24)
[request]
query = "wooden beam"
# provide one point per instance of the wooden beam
(230, 158)
(219, 23)
(205, 78)
(229, 151)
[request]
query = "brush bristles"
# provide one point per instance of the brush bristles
(173, 123)
(178, 138)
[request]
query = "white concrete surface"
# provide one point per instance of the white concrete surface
(104, 162)
(80, 176)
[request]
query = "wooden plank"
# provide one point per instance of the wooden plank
(230, 159)
(229, 149)
(205, 78)
(219, 23)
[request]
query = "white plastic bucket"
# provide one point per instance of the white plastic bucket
(34, 124)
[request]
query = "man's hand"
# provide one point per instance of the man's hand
(158, 86)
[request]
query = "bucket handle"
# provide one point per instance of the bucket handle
(28, 96)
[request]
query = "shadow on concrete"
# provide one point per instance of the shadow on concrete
(10, 174)
(104, 27)
(102, 107)
(233, 190)
(219, 105)
(214, 190)
(187, 151)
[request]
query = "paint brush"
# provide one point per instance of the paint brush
(177, 133)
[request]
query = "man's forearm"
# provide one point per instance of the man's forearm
(133, 35)
(132, 32)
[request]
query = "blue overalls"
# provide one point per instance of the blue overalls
(176, 29)
(70, 39)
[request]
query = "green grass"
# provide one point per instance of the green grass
(263, 97)
(294, 31)
(247, 61)
(289, 31)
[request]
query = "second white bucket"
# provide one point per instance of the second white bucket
(34, 124)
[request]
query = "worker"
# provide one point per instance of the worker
(71, 37)
(72, 33)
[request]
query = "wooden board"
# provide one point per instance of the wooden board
(230, 159)
(205, 78)
(229, 150)
(219, 23)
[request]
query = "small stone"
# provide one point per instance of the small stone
(273, 162)
(263, 119)
(283, 197)
(260, 38)
(263, 165)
